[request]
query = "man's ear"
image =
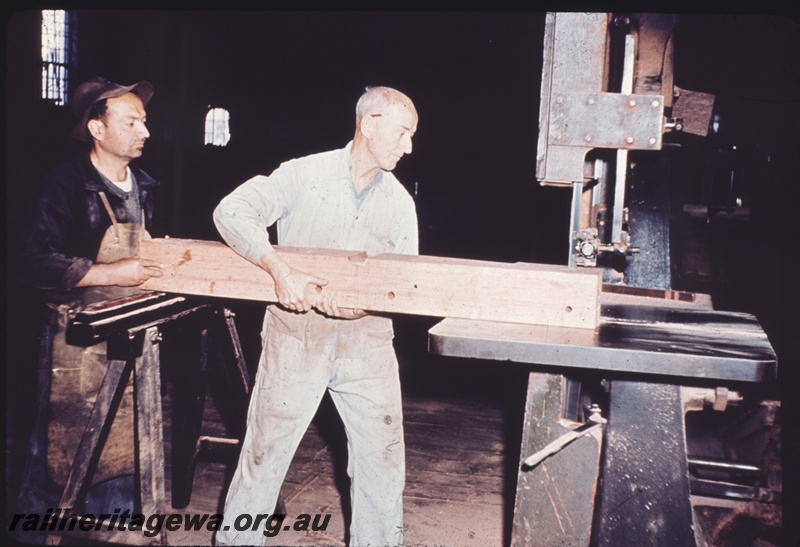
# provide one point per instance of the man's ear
(367, 125)
(96, 129)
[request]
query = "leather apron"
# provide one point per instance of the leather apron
(77, 373)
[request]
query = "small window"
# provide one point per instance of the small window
(218, 127)
(58, 54)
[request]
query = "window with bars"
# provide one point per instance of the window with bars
(59, 30)
(218, 128)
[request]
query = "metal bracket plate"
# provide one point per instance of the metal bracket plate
(606, 120)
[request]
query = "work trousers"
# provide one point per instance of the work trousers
(303, 355)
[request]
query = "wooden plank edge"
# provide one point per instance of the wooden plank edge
(187, 262)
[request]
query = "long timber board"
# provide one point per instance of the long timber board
(540, 294)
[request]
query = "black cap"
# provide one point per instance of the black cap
(98, 89)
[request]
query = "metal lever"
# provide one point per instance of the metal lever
(595, 421)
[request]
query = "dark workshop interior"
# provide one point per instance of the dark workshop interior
(290, 79)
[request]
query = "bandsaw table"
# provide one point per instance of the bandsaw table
(636, 485)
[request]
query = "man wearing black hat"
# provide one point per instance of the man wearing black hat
(80, 247)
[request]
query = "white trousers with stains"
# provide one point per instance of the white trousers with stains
(305, 354)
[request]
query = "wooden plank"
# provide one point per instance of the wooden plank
(433, 485)
(448, 414)
(417, 285)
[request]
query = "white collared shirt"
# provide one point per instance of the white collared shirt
(314, 203)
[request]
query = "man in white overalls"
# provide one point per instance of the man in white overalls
(81, 247)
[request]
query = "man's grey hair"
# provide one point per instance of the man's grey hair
(375, 100)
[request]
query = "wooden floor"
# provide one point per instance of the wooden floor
(461, 462)
(463, 424)
(462, 455)
(463, 421)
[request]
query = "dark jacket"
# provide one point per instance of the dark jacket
(67, 223)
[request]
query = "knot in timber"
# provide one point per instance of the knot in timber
(358, 258)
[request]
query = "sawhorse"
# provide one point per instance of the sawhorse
(133, 328)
